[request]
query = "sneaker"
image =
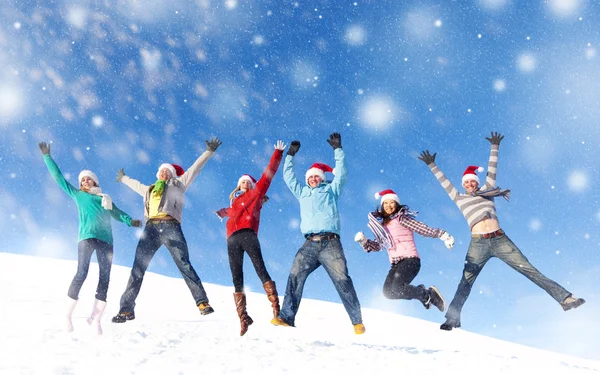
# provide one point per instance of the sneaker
(205, 308)
(449, 325)
(436, 299)
(572, 303)
(279, 322)
(123, 317)
(359, 328)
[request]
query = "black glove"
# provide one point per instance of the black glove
(213, 144)
(136, 223)
(427, 157)
(120, 174)
(294, 147)
(496, 138)
(335, 140)
(44, 148)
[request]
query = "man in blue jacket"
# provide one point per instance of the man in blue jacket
(320, 225)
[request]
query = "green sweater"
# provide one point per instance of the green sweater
(94, 220)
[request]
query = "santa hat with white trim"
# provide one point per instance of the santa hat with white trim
(386, 195)
(90, 174)
(318, 169)
(175, 169)
(470, 174)
(247, 177)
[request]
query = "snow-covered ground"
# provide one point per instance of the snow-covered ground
(170, 337)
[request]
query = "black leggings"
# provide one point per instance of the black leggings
(240, 241)
(397, 283)
(104, 254)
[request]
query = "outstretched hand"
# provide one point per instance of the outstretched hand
(294, 147)
(44, 148)
(495, 139)
(213, 144)
(335, 140)
(279, 145)
(426, 157)
(120, 175)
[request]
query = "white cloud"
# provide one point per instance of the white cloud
(11, 101)
(98, 121)
(564, 8)
(77, 16)
(378, 113)
(421, 24)
(535, 225)
(577, 181)
(526, 63)
(231, 4)
(499, 85)
(355, 35)
(150, 59)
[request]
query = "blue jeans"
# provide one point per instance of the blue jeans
(480, 251)
(104, 254)
(157, 233)
(330, 255)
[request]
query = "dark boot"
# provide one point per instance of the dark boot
(450, 324)
(240, 305)
(572, 303)
(273, 297)
(436, 299)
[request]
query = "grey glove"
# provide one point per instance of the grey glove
(136, 223)
(44, 148)
(294, 147)
(335, 140)
(495, 138)
(120, 175)
(213, 144)
(427, 157)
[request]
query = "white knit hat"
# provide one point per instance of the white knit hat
(90, 174)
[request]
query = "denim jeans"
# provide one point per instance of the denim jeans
(397, 283)
(330, 255)
(104, 254)
(480, 251)
(155, 234)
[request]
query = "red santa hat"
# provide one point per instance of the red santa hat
(247, 177)
(470, 174)
(318, 169)
(90, 174)
(387, 195)
(175, 169)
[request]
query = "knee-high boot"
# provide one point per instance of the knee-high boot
(273, 297)
(96, 316)
(240, 305)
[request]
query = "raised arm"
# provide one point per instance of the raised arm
(494, 139)
(429, 159)
(267, 177)
(288, 170)
(133, 184)
(341, 172)
(55, 171)
(188, 177)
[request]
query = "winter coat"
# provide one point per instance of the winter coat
(318, 206)
(94, 220)
(173, 196)
(244, 212)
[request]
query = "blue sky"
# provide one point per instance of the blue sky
(132, 84)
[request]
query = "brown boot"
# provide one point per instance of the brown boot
(273, 297)
(240, 305)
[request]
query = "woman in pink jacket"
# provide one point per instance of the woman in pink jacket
(394, 226)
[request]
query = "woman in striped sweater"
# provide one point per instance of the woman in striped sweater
(487, 239)
(394, 226)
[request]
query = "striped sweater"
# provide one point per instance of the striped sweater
(474, 208)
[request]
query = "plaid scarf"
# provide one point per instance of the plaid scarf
(492, 193)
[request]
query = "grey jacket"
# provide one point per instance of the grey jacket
(174, 195)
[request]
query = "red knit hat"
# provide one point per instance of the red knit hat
(386, 195)
(175, 169)
(318, 169)
(470, 174)
(247, 177)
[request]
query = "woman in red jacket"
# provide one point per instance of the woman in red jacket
(242, 228)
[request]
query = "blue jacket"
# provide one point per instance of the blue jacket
(318, 206)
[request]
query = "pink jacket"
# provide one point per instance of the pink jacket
(403, 241)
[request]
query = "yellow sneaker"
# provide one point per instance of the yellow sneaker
(359, 328)
(205, 308)
(279, 322)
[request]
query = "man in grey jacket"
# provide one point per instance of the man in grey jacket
(163, 203)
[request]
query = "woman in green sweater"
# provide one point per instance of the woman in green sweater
(95, 234)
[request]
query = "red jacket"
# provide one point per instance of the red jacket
(245, 209)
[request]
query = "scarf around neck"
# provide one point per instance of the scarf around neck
(106, 199)
(159, 187)
(492, 193)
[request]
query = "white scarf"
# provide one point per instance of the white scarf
(106, 199)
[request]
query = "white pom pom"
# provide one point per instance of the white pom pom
(333, 171)
(480, 169)
(377, 196)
